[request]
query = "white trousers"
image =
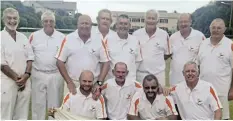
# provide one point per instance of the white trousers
(225, 105)
(47, 92)
(160, 76)
(14, 103)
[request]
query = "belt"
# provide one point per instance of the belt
(47, 71)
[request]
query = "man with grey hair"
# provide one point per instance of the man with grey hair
(47, 82)
(16, 64)
(155, 48)
(196, 99)
(215, 58)
(184, 46)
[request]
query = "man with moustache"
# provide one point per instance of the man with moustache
(155, 48)
(16, 64)
(196, 99)
(184, 46)
(215, 58)
(149, 105)
(47, 82)
(79, 51)
(118, 92)
(123, 47)
(82, 103)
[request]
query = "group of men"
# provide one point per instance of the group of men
(114, 75)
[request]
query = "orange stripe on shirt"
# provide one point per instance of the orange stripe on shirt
(105, 48)
(66, 98)
(102, 103)
(136, 105)
(62, 46)
(169, 105)
(214, 95)
(137, 85)
(168, 45)
(31, 38)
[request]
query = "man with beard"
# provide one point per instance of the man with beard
(196, 99)
(155, 48)
(123, 47)
(79, 51)
(16, 64)
(82, 103)
(149, 105)
(118, 92)
(184, 46)
(47, 82)
(215, 58)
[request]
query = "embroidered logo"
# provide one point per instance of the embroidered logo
(131, 51)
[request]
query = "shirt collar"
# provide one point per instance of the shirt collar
(127, 83)
(79, 93)
(52, 36)
(158, 96)
(195, 88)
(77, 36)
(190, 35)
(156, 32)
(220, 42)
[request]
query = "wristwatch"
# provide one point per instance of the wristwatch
(100, 83)
(29, 74)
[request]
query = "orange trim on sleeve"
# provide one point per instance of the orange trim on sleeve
(62, 46)
(169, 105)
(104, 44)
(214, 95)
(168, 45)
(104, 86)
(232, 47)
(102, 103)
(31, 38)
(66, 98)
(137, 85)
(136, 105)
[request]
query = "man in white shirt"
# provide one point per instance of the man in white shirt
(118, 92)
(123, 47)
(155, 48)
(215, 58)
(16, 64)
(78, 52)
(82, 103)
(196, 99)
(149, 105)
(47, 82)
(184, 46)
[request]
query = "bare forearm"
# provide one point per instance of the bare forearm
(104, 71)
(172, 117)
(63, 71)
(9, 72)
(218, 114)
(29, 66)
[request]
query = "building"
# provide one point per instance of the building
(167, 21)
(42, 6)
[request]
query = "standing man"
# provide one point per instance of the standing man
(196, 99)
(155, 48)
(184, 45)
(80, 52)
(47, 82)
(216, 63)
(118, 92)
(123, 47)
(16, 64)
(149, 105)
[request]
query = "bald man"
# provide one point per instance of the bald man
(216, 63)
(82, 104)
(79, 51)
(184, 46)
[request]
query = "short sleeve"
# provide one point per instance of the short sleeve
(3, 59)
(104, 55)
(101, 109)
(66, 103)
(215, 104)
(170, 106)
(133, 109)
(28, 48)
(63, 51)
(231, 56)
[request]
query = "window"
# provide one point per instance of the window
(135, 19)
(142, 20)
(163, 20)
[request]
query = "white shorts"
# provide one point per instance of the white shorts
(225, 105)
(160, 76)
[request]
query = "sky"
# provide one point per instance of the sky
(91, 7)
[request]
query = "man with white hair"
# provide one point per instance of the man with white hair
(16, 64)
(47, 82)
(154, 46)
(184, 46)
(215, 58)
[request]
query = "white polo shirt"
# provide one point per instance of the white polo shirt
(81, 105)
(183, 50)
(45, 48)
(197, 104)
(216, 63)
(118, 98)
(124, 50)
(161, 107)
(153, 50)
(81, 56)
(15, 54)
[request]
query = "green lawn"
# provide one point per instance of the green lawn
(167, 83)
